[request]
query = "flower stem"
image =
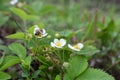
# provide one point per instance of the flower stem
(63, 56)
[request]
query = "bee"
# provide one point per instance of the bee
(38, 32)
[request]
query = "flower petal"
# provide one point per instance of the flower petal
(56, 40)
(44, 35)
(71, 47)
(43, 31)
(36, 29)
(52, 44)
(76, 49)
(63, 41)
(58, 46)
(13, 2)
(80, 45)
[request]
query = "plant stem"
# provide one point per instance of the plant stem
(63, 56)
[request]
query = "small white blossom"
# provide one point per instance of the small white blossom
(13, 2)
(39, 33)
(76, 47)
(58, 43)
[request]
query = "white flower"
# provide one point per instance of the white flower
(58, 43)
(13, 2)
(39, 33)
(76, 47)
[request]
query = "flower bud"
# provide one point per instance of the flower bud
(30, 48)
(48, 36)
(50, 68)
(48, 58)
(28, 36)
(57, 35)
(65, 64)
(45, 49)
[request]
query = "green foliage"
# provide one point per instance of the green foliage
(38, 59)
(23, 15)
(78, 70)
(4, 76)
(19, 12)
(1, 59)
(57, 77)
(26, 63)
(108, 33)
(31, 29)
(67, 33)
(88, 51)
(5, 49)
(77, 65)
(4, 19)
(90, 30)
(18, 49)
(18, 35)
(47, 9)
(94, 74)
(36, 73)
(9, 61)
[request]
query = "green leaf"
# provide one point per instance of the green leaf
(90, 30)
(36, 73)
(31, 29)
(1, 59)
(23, 15)
(18, 35)
(94, 74)
(47, 9)
(3, 20)
(5, 49)
(25, 72)
(57, 77)
(41, 25)
(108, 34)
(4, 76)
(27, 61)
(77, 65)
(18, 49)
(9, 61)
(88, 51)
(43, 60)
(66, 77)
(32, 17)
(19, 12)
(66, 33)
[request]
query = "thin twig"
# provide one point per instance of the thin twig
(113, 65)
(19, 26)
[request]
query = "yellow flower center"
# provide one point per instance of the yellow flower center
(58, 43)
(76, 46)
(39, 34)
